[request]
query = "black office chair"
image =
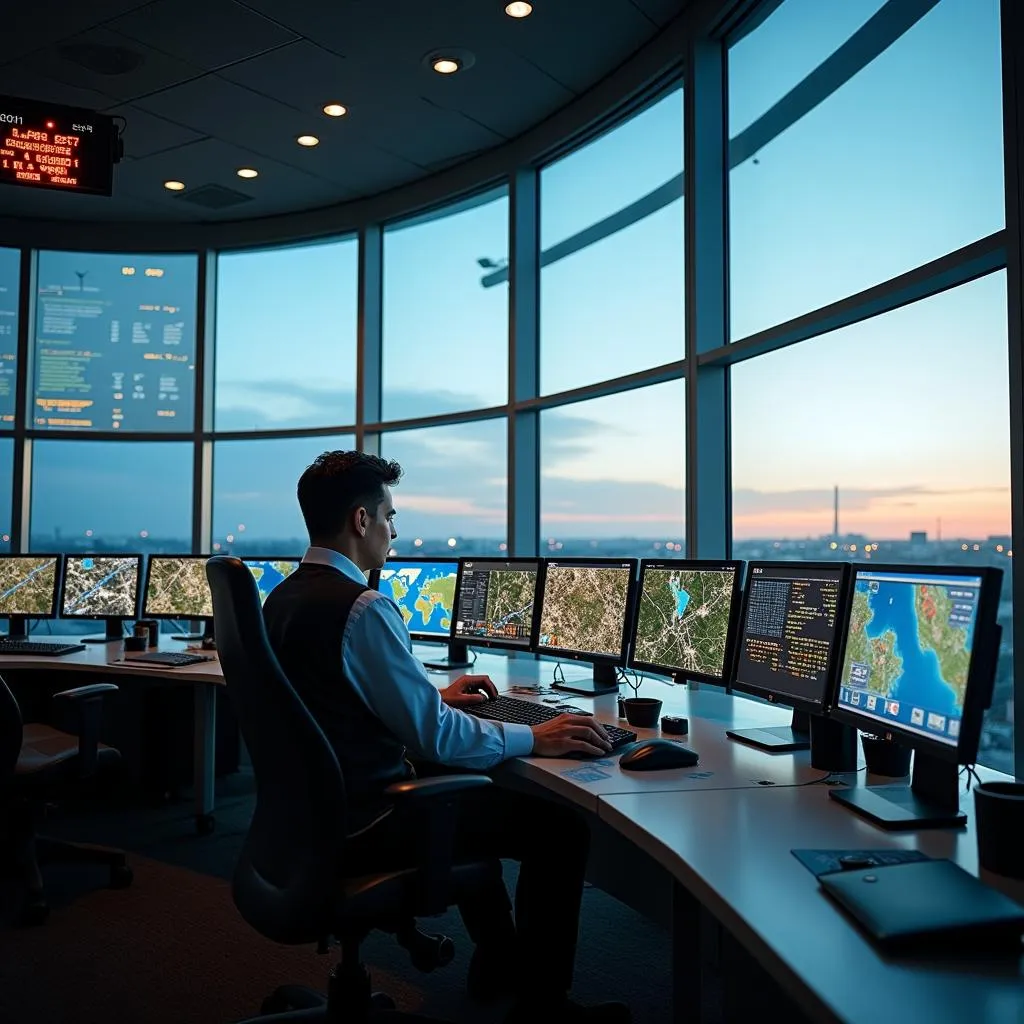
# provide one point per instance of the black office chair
(38, 765)
(290, 882)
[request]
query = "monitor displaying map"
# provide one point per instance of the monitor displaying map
(685, 617)
(28, 585)
(908, 650)
(100, 586)
(585, 608)
(268, 572)
(495, 601)
(176, 588)
(424, 590)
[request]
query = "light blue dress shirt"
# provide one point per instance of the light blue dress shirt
(377, 658)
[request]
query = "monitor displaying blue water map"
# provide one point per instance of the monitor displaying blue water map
(908, 650)
(268, 572)
(424, 592)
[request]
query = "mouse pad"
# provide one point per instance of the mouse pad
(824, 862)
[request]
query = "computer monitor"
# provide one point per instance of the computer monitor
(424, 590)
(684, 625)
(786, 652)
(268, 572)
(101, 587)
(918, 660)
(494, 602)
(176, 588)
(584, 616)
(28, 589)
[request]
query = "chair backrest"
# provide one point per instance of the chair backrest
(286, 878)
(10, 732)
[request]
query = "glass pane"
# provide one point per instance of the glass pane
(10, 269)
(452, 496)
(6, 487)
(127, 496)
(892, 433)
(832, 192)
(255, 510)
(612, 272)
(612, 474)
(445, 325)
(285, 353)
(115, 342)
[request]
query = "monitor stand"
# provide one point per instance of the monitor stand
(932, 800)
(777, 739)
(458, 657)
(17, 627)
(207, 633)
(604, 680)
(833, 745)
(114, 633)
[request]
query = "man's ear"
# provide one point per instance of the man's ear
(360, 521)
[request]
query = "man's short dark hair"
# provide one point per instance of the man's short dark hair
(338, 482)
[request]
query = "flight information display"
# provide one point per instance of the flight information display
(45, 145)
(10, 268)
(788, 632)
(268, 572)
(908, 650)
(100, 586)
(495, 601)
(177, 588)
(115, 342)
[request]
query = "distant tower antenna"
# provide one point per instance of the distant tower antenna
(835, 511)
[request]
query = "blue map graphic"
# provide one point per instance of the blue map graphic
(682, 600)
(424, 593)
(268, 574)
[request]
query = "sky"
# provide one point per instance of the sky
(907, 413)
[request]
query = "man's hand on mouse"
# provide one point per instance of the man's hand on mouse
(570, 734)
(468, 690)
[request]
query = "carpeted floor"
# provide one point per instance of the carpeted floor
(172, 948)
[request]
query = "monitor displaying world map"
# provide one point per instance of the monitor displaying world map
(424, 592)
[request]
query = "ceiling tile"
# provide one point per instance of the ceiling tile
(207, 33)
(146, 134)
(662, 11)
(41, 23)
(24, 202)
(20, 79)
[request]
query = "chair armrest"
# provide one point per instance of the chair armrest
(432, 806)
(88, 702)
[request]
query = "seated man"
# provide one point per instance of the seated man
(347, 652)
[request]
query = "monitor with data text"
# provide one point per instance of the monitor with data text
(685, 619)
(494, 602)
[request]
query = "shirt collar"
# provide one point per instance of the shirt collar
(336, 560)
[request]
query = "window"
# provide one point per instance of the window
(111, 496)
(612, 474)
(6, 489)
(115, 342)
(612, 252)
(255, 508)
(10, 269)
(452, 496)
(286, 337)
(907, 415)
(445, 319)
(835, 190)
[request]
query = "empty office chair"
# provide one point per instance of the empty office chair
(38, 765)
(289, 883)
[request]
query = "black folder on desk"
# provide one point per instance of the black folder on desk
(926, 903)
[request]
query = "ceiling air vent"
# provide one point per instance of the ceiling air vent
(101, 60)
(215, 197)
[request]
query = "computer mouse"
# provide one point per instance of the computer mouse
(657, 756)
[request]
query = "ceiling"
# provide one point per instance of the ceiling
(209, 86)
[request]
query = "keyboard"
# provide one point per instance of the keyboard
(170, 659)
(526, 712)
(37, 647)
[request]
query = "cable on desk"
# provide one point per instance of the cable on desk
(971, 774)
(557, 675)
(829, 775)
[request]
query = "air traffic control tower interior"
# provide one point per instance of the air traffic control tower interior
(697, 329)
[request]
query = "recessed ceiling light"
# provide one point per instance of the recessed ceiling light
(174, 186)
(247, 172)
(308, 140)
(335, 110)
(446, 65)
(447, 60)
(519, 9)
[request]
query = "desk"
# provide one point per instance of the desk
(729, 852)
(203, 677)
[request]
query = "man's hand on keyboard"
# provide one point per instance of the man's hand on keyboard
(570, 734)
(469, 690)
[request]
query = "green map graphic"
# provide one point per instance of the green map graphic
(934, 631)
(510, 599)
(879, 653)
(26, 585)
(584, 609)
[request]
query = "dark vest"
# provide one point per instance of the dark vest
(306, 614)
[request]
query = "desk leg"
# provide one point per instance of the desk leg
(204, 755)
(696, 985)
